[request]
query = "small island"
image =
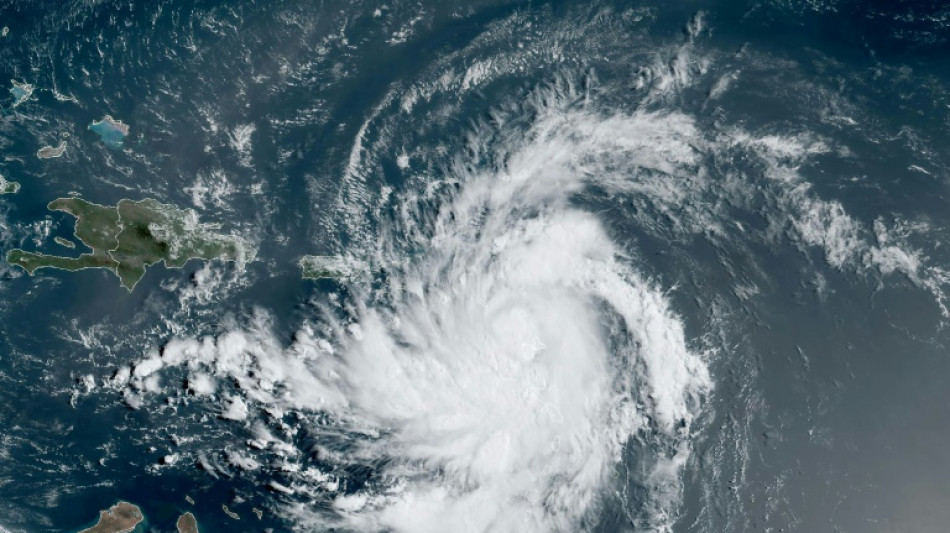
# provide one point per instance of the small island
(329, 266)
(8, 187)
(130, 236)
(64, 242)
(230, 513)
(49, 152)
(120, 518)
(187, 523)
(21, 92)
(111, 131)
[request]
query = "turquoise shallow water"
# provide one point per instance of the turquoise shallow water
(778, 170)
(112, 133)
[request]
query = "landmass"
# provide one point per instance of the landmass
(49, 152)
(229, 512)
(64, 242)
(187, 523)
(20, 91)
(8, 187)
(120, 518)
(329, 266)
(111, 131)
(130, 236)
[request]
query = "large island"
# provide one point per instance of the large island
(187, 523)
(120, 518)
(130, 236)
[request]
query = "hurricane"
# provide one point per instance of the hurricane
(475, 267)
(506, 351)
(498, 360)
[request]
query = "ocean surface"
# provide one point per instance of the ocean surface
(629, 267)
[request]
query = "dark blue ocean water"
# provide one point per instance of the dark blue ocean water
(827, 409)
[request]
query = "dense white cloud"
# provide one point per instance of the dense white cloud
(510, 362)
(502, 367)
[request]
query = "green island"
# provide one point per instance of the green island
(49, 152)
(132, 235)
(8, 187)
(120, 518)
(64, 242)
(328, 266)
(187, 523)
